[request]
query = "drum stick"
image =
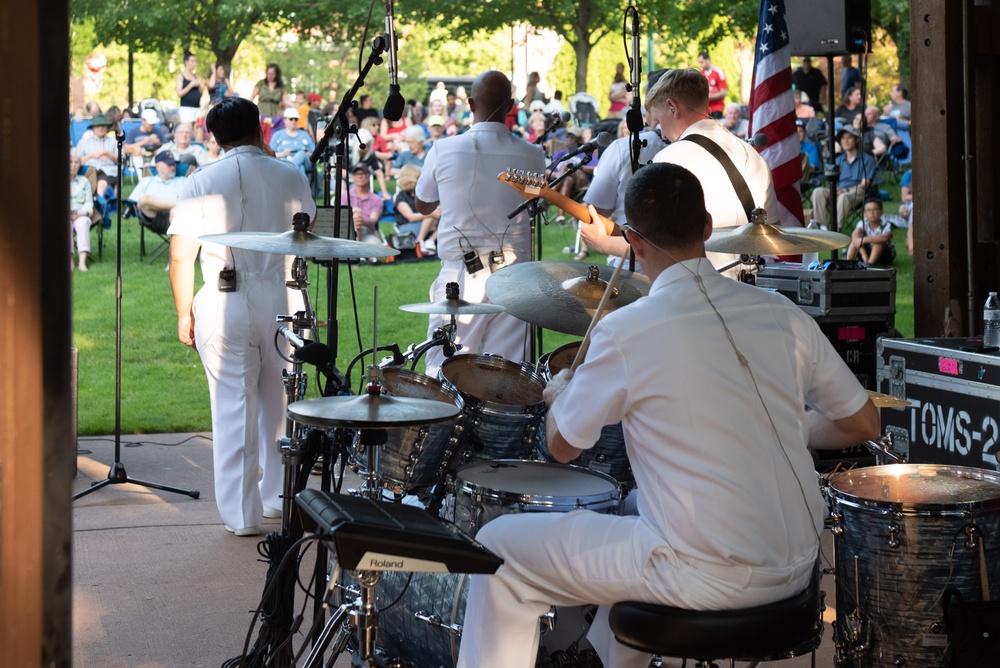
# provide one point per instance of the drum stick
(601, 305)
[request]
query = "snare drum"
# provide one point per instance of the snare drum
(424, 627)
(409, 460)
(901, 536)
(503, 405)
(608, 454)
(486, 490)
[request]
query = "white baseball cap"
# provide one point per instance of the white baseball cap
(291, 112)
(150, 116)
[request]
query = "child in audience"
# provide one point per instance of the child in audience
(872, 238)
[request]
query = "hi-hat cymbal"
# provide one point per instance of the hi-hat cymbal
(887, 401)
(561, 296)
(764, 239)
(304, 244)
(452, 307)
(379, 411)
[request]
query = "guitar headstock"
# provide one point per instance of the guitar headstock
(526, 182)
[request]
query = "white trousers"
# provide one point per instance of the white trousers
(82, 228)
(583, 558)
(499, 334)
(235, 334)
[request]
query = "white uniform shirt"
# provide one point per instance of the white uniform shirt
(461, 173)
(712, 478)
(275, 190)
(154, 185)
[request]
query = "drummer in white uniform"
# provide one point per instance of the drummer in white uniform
(475, 237)
(231, 321)
(711, 379)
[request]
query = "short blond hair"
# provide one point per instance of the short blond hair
(689, 87)
(407, 179)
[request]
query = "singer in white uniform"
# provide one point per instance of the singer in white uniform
(729, 514)
(460, 174)
(233, 331)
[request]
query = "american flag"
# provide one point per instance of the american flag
(772, 109)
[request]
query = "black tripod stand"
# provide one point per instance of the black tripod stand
(117, 475)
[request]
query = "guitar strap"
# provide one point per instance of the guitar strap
(739, 183)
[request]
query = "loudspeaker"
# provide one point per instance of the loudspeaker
(828, 27)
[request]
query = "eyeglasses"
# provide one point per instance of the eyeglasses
(628, 229)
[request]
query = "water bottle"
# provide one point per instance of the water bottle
(991, 321)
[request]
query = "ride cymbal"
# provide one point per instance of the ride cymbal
(301, 243)
(379, 411)
(561, 296)
(764, 239)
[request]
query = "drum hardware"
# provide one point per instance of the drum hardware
(561, 296)
(884, 452)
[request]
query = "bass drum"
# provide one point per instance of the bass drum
(608, 455)
(903, 534)
(424, 627)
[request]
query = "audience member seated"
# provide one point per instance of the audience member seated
(380, 147)
(899, 108)
(812, 164)
(872, 238)
(733, 120)
(906, 208)
(292, 143)
(856, 172)
(367, 156)
(850, 107)
(802, 110)
(578, 180)
(212, 150)
(366, 108)
(408, 220)
(415, 142)
(81, 208)
(878, 136)
(435, 127)
(157, 195)
(99, 152)
(182, 148)
(146, 138)
(366, 206)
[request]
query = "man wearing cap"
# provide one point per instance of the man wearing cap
(157, 195)
(435, 127)
(366, 206)
(147, 137)
(857, 169)
(231, 323)
(291, 143)
(99, 150)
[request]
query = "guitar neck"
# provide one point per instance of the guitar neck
(534, 185)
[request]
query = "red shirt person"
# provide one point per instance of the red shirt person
(717, 86)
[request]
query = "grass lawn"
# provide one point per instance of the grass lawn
(163, 383)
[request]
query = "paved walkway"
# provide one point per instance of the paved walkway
(158, 582)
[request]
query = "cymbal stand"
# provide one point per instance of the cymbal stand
(117, 475)
(755, 264)
(358, 616)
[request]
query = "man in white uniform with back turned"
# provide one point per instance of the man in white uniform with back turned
(460, 173)
(231, 322)
(710, 378)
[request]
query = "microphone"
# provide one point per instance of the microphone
(394, 104)
(294, 339)
(555, 118)
(602, 140)
(633, 117)
(759, 140)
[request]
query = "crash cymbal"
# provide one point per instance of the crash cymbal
(886, 401)
(304, 244)
(561, 296)
(452, 307)
(370, 411)
(764, 239)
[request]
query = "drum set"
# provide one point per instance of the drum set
(469, 446)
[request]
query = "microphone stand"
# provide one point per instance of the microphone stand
(634, 115)
(342, 128)
(117, 475)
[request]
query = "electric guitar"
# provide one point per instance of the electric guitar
(535, 185)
